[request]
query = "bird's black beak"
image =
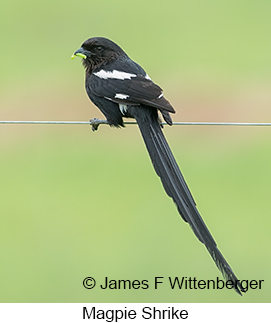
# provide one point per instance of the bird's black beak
(81, 52)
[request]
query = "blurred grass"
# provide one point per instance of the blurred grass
(82, 207)
(77, 204)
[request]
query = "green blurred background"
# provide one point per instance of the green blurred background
(76, 203)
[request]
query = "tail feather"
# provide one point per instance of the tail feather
(175, 186)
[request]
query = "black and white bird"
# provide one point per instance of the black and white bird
(119, 87)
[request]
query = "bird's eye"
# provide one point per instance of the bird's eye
(99, 48)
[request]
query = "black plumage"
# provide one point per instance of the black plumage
(119, 87)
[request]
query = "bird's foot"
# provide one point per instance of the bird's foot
(95, 122)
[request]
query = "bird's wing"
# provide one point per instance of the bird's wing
(128, 88)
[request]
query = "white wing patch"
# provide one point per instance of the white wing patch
(121, 96)
(123, 108)
(147, 77)
(161, 95)
(118, 75)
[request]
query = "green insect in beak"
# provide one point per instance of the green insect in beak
(79, 55)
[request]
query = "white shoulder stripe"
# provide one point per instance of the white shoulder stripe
(161, 95)
(147, 77)
(114, 75)
(121, 96)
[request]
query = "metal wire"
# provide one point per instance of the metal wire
(98, 122)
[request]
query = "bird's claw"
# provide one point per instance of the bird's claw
(94, 124)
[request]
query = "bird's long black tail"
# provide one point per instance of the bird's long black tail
(167, 169)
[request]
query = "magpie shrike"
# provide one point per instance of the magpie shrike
(119, 87)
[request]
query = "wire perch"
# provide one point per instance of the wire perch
(95, 122)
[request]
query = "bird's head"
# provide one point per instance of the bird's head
(98, 50)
